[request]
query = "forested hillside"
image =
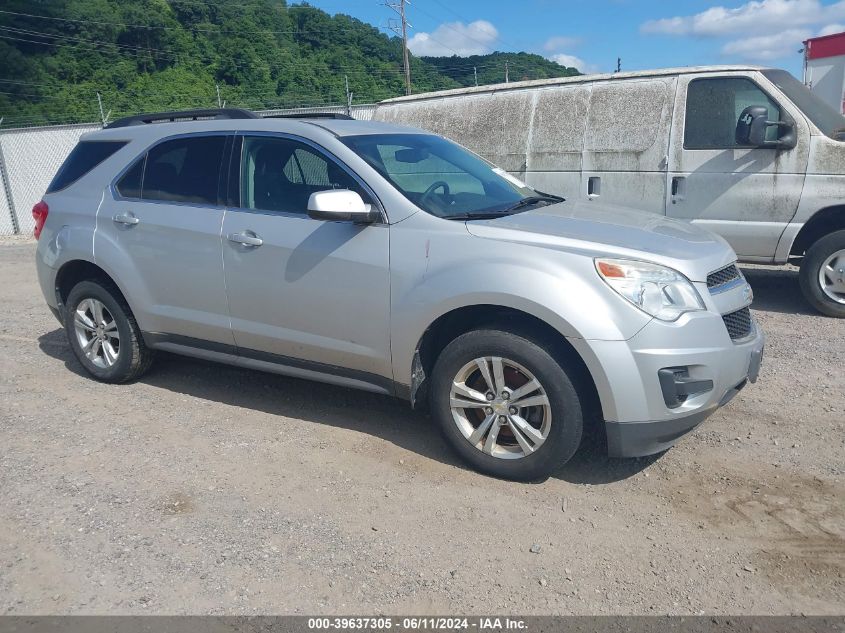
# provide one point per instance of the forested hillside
(491, 68)
(144, 55)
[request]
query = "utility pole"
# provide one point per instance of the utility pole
(402, 31)
(348, 96)
(475, 73)
(219, 100)
(507, 79)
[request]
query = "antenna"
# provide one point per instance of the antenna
(402, 31)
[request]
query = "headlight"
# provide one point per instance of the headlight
(656, 290)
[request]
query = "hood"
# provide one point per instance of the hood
(601, 230)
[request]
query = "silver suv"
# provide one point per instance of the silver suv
(388, 259)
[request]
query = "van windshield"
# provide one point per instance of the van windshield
(444, 179)
(823, 116)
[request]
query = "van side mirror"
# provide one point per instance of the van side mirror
(341, 205)
(753, 124)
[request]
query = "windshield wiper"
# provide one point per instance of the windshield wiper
(545, 197)
(477, 215)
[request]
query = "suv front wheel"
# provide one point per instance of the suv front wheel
(103, 333)
(822, 275)
(506, 405)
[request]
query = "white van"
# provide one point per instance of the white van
(747, 152)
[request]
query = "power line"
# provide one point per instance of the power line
(177, 28)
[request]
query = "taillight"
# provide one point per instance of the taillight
(39, 212)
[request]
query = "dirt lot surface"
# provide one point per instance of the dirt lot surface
(207, 489)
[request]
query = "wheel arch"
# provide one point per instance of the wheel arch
(823, 222)
(457, 321)
(76, 270)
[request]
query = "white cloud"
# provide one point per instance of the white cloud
(758, 17)
(766, 48)
(560, 42)
(830, 29)
(455, 38)
(555, 47)
(759, 30)
(574, 62)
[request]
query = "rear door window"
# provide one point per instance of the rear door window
(185, 170)
(84, 157)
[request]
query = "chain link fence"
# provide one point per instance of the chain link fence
(30, 157)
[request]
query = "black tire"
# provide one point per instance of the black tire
(133, 356)
(564, 433)
(808, 276)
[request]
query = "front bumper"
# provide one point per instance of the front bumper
(636, 439)
(638, 417)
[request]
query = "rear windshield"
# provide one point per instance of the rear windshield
(823, 115)
(84, 157)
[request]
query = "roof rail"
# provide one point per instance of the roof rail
(312, 115)
(193, 115)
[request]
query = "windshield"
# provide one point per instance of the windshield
(823, 116)
(444, 179)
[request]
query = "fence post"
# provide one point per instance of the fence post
(7, 187)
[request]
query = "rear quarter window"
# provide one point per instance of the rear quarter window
(84, 157)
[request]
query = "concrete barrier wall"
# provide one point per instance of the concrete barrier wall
(33, 155)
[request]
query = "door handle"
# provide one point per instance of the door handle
(128, 219)
(679, 188)
(247, 238)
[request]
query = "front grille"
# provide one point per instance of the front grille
(738, 323)
(722, 277)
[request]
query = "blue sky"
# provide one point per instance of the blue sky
(590, 34)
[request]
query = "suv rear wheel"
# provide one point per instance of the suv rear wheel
(822, 275)
(103, 333)
(506, 405)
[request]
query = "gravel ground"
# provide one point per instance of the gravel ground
(203, 488)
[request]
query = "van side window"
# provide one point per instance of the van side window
(280, 174)
(184, 170)
(714, 106)
(130, 185)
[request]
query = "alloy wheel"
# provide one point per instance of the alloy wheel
(97, 333)
(500, 407)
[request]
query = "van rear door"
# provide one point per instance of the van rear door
(746, 194)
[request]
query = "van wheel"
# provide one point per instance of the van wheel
(822, 275)
(103, 333)
(506, 405)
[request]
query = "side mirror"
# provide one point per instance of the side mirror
(753, 124)
(340, 205)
